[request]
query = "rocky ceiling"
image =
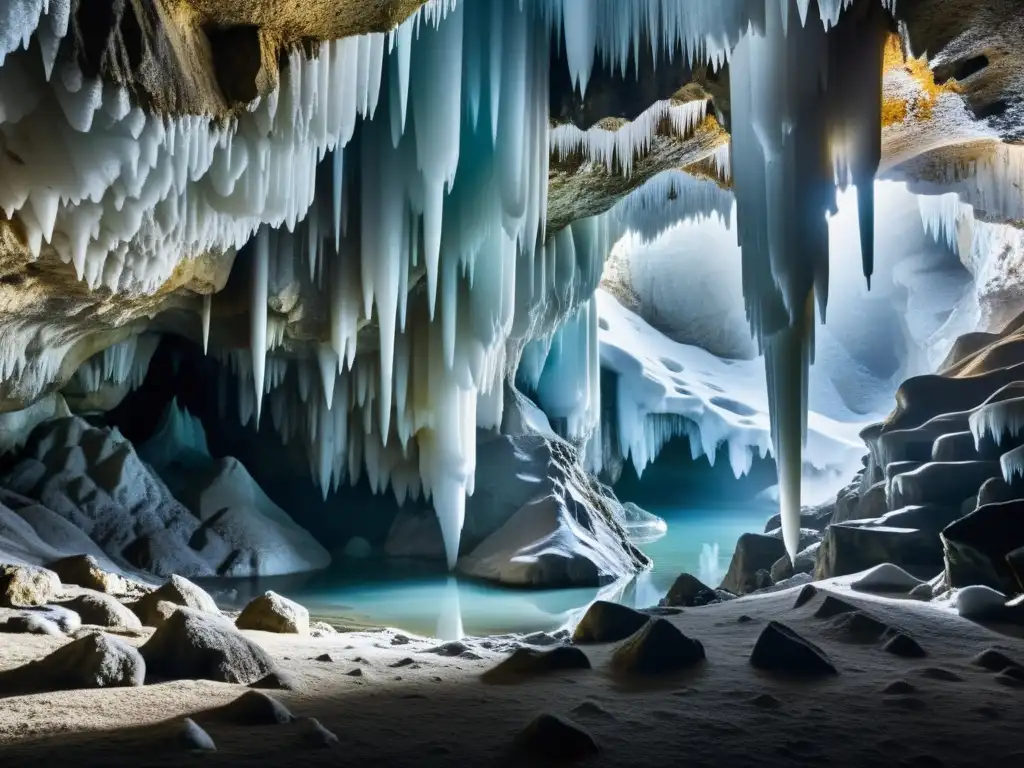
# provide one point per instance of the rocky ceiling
(954, 93)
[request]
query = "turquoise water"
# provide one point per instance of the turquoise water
(423, 601)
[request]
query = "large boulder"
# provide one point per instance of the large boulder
(192, 645)
(855, 546)
(97, 482)
(272, 613)
(606, 622)
(177, 591)
(781, 650)
(22, 585)
(754, 552)
(102, 610)
(93, 661)
(688, 591)
(976, 547)
(658, 648)
(806, 559)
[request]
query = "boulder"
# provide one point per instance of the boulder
(527, 662)
(556, 738)
(22, 585)
(754, 552)
(996, 490)
(941, 483)
(254, 708)
(85, 571)
(779, 649)
(272, 613)
(980, 603)
(688, 591)
(606, 622)
(177, 591)
(67, 621)
(658, 648)
(93, 661)
(856, 546)
(193, 645)
(102, 610)
(977, 545)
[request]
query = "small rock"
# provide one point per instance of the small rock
(557, 738)
(255, 708)
(85, 571)
(316, 735)
(766, 701)
(194, 645)
(591, 709)
(1009, 679)
(743, 619)
(451, 649)
(67, 620)
(995, 661)
(27, 585)
(833, 606)
(325, 657)
(271, 612)
(406, 662)
(899, 688)
(606, 622)
(276, 681)
(938, 673)
(31, 624)
(689, 591)
(903, 645)
(177, 591)
(102, 610)
(321, 629)
(357, 672)
(541, 639)
(526, 662)
(659, 647)
(194, 738)
(807, 593)
(400, 640)
(922, 592)
(755, 552)
(781, 650)
(93, 661)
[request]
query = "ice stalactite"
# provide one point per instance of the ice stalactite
(670, 198)
(797, 129)
(205, 321)
(125, 363)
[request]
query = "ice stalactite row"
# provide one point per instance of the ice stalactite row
(669, 198)
(801, 122)
(125, 195)
(619, 147)
(430, 227)
(123, 364)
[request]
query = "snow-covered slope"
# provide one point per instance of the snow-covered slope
(668, 390)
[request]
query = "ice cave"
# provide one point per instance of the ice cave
(633, 382)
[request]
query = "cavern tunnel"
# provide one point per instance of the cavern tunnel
(444, 382)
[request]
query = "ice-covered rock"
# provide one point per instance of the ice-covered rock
(16, 426)
(22, 585)
(976, 547)
(85, 571)
(980, 603)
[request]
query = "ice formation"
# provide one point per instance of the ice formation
(123, 364)
(408, 171)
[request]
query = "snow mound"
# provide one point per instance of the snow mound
(979, 602)
(888, 578)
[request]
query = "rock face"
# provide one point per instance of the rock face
(94, 479)
(272, 613)
(93, 661)
(856, 546)
(191, 645)
(754, 552)
(22, 585)
(177, 591)
(977, 547)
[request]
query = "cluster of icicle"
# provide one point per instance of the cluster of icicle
(123, 364)
(670, 198)
(621, 146)
(408, 172)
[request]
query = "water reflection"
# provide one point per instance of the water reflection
(424, 600)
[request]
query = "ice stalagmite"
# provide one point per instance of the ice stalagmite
(796, 132)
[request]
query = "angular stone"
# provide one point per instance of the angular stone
(606, 622)
(85, 572)
(658, 648)
(526, 662)
(807, 593)
(688, 591)
(754, 552)
(177, 591)
(271, 612)
(903, 645)
(254, 708)
(558, 738)
(781, 650)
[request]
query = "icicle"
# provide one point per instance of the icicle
(258, 314)
(207, 307)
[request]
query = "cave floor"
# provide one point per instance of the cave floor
(411, 706)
